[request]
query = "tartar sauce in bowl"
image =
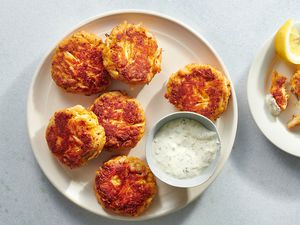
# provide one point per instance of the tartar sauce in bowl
(183, 149)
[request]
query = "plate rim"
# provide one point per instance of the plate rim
(263, 50)
(150, 13)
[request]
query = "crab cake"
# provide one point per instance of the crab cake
(125, 185)
(294, 121)
(131, 54)
(278, 90)
(74, 136)
(77, 64)
(295, 84)
(122, 118)
(199, 88)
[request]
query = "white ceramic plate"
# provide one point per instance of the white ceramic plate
(180, 46)
(259, 82)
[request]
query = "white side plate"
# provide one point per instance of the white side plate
(259, 83)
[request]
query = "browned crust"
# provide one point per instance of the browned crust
(295, 84)
(278, 89)
(77, 64)
(199, 88)
(131, 54)
(74, 136)
(133, 191)
(294, 122)
(122, 117)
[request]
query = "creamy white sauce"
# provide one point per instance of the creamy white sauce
(183, 148)
(272, 105)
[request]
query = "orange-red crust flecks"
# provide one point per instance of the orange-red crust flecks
(278, 89)
(74, 136)
(131, 54)
(77, 64)
(122, 118)
(125, 185)
(199, 88)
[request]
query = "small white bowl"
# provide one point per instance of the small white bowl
(160, 174)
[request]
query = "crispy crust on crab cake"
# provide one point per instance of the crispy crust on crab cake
(294, 121)
(74, 136)
(125, 185)
(131, 54)
(77, 64)
(278, 90)
(123, 119)
(199, 88)
(295, 84)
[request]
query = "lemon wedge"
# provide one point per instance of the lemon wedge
(287, 42)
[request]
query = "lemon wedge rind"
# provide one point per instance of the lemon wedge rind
(287, 42)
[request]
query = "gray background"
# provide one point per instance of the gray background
(259, 184)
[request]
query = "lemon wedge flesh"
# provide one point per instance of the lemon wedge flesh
(287, 42)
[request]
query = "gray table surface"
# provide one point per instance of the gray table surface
(260, 184)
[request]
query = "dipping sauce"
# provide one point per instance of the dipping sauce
(272, 105)
(183, 148)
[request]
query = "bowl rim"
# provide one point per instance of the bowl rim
(168, 179)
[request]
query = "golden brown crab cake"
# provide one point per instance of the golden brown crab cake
(295, 84)
(77, 64)
(125, 185)
(74, 136)
(294, 121)
(131, 54)
(123, 119)
(199, 88)
(278, 90)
